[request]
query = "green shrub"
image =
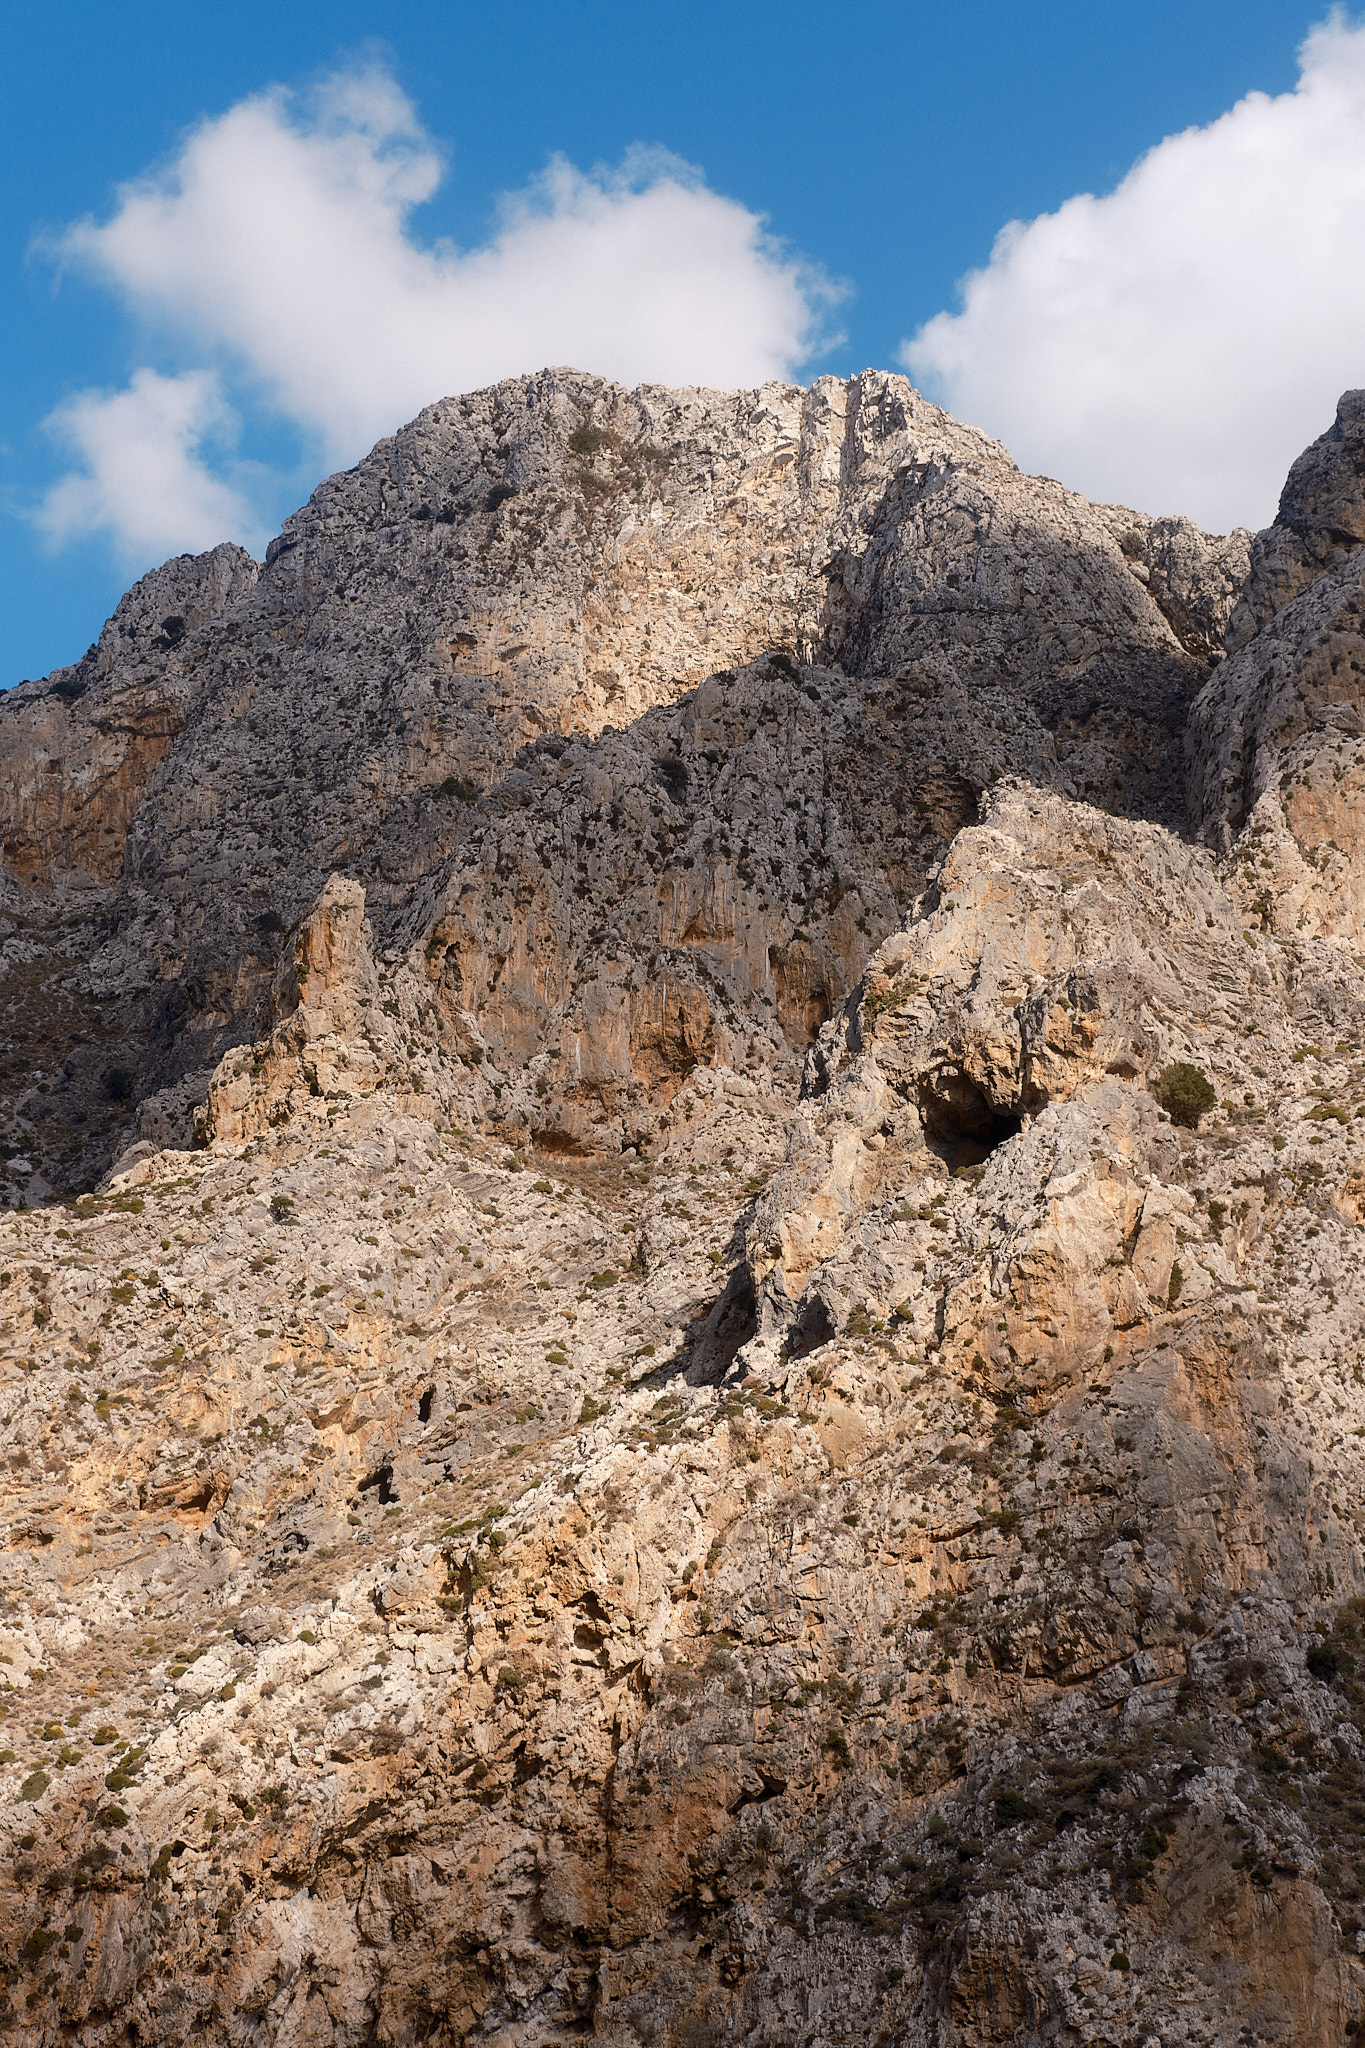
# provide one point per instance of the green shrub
(1185, 1092)
(590, 440)
(34, 1785)
(1323, 1661)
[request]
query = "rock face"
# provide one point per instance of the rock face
(669, 1425)
(1278, 733)
(542, 566)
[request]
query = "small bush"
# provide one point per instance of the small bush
(118, 1083)
(1323, 1661)
(590, 440)
(1185, 1092)
(280, 1206)
(674, 772)
(1013, 1806)
(34, 1785)
(511, 1679)
(460, 786)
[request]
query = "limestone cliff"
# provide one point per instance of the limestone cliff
(536, 575)
(719, 1391)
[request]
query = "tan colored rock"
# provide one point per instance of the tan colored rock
(548, 1524)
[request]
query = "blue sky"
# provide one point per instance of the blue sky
(886, 145)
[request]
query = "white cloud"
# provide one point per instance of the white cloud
(278, 245)
(1175, 344)
(143, 479)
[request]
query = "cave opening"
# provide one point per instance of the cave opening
(382, 1480)
(961, 1123)
(813, 1328)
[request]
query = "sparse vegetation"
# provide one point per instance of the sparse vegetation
(1185, 1092)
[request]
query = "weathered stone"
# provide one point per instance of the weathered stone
(687, 1453)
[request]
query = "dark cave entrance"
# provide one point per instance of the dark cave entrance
(813, 1328)
(961, 1123)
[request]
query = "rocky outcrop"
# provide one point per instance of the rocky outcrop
(1276, 734)
(1319, 525)
(671, 1426)
(559, 561)
(78, 750)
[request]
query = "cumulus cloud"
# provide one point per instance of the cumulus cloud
(1174, 344)
(279, 245)
(143, 477)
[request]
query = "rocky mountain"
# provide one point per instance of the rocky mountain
(682, 1329)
